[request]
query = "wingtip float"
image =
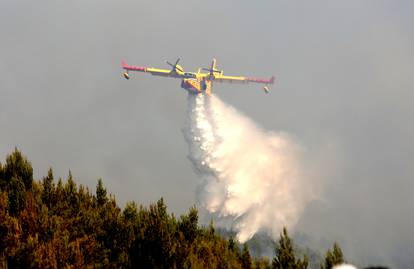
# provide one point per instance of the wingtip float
(196, 82)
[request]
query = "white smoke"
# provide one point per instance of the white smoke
(250, 177)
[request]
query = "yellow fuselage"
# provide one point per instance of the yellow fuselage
(196, 85)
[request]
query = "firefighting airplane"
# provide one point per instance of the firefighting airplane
(196, 82)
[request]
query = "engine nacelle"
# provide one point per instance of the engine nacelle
(126, 75)
(266, 89)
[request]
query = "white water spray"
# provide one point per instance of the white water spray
(250, 177)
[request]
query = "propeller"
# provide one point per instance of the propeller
(211, 70)
(175, 66)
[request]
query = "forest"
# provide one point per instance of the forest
(50, 223)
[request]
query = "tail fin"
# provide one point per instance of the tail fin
(272, 79)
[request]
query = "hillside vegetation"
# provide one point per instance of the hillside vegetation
(51, 224)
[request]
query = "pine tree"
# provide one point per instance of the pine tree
(16, 177)
(10, 232)
(16, 196)
(232, 244)
(188, 225)
(48, 189)
(130, 212)
(246, 260)
(18, 167)
(100, 193)
(285, 255)
(71, 193)
(59, 204)
(333, 257)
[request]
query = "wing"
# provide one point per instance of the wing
(231, 79)
(153, 71)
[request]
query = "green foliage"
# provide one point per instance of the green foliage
(333, 257)
(18, 167)
(16, 176)
(16, 195)
(233, 245)
(285, 255)
(246, 260)
(70, 191)
(188, 225)
(48, 225)
(48, 189)
(130, 212)
(100, 193)
(155, 240)
(9, 229)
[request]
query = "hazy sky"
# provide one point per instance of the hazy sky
(344, 86)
